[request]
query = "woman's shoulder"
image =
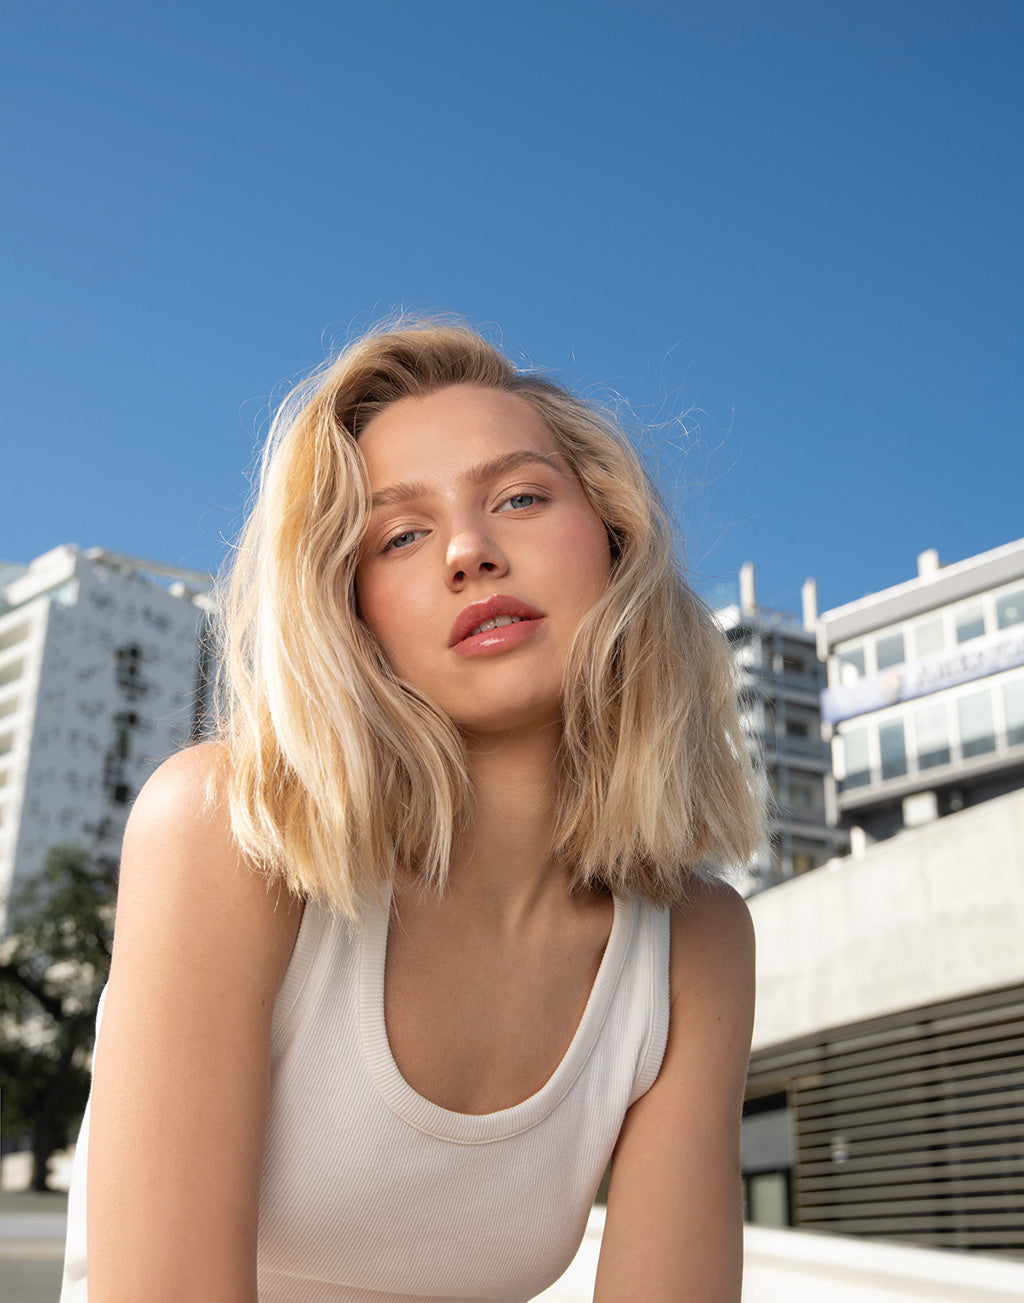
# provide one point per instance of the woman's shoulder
(712, 940)
(188, 786)
(182, 875)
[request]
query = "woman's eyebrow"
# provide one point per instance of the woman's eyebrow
(396, 494)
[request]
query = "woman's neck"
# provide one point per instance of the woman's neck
(502, 860)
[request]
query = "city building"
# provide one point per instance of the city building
(885, 1096)
(886, 1086)
(101, 677)
(780, 680)
(925, 700)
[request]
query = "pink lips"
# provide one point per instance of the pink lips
(467, 643)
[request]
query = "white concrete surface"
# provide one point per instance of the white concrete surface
(783, 1266)
(935, 913)
(801, 1267)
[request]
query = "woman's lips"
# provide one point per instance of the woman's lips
(493, 625)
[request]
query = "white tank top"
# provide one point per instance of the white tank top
(371, 1193)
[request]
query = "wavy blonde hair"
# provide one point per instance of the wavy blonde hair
(340, 775)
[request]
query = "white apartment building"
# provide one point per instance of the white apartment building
(925, 699)
(100, 680)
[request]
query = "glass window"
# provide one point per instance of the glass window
(854, 744)
(1013, 704)
(767, 1198)
(929, 636)
(889, 650)
(977, 733)
(1010, 609)
(893, 749)
(970, 622)
(931, 732)
(851, 664)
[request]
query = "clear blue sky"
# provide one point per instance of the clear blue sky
(798, 222)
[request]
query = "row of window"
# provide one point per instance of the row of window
(923, 737)
(935, 632)
(104, 602)
(802, 796)
(760, 656)
(803, 727)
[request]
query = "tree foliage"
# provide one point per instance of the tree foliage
(53, 964)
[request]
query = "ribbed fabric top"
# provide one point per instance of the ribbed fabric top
(465, 1128)
(371, 1193)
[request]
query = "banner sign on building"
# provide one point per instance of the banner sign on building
(974, 660)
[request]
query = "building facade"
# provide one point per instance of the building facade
(100, 679)
(885, 1095)
(780, 680)
(925, 700)
(886, 1086)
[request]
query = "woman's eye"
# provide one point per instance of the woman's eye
(399, 541)
(520, 500)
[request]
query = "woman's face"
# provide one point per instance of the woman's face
(481, 557)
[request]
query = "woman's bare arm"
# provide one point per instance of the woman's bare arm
(674, 1231)
(181, 1067)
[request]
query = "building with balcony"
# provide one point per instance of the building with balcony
(100, 679)
(925, 700)
(780, 680)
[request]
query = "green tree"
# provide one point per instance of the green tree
(53, 965)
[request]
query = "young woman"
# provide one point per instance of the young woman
(432, 932)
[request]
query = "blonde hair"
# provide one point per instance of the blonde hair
(340, 775)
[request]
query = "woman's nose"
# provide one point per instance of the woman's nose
(473, 554)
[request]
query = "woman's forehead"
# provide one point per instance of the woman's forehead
(451, 429)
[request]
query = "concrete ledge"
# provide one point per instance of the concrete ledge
(784, 1266)
(804, 1267)
(904, 926)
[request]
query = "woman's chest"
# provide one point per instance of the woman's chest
(483, 1040)
(477, 1026)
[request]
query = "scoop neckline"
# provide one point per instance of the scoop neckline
(479, 1128)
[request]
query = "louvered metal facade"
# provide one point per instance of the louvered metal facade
(911, 1126)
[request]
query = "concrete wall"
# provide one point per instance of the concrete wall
(934, 913)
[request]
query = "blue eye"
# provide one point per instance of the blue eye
(402, 540)
(520, 500)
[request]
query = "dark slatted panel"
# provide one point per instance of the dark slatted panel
(910, 1127)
